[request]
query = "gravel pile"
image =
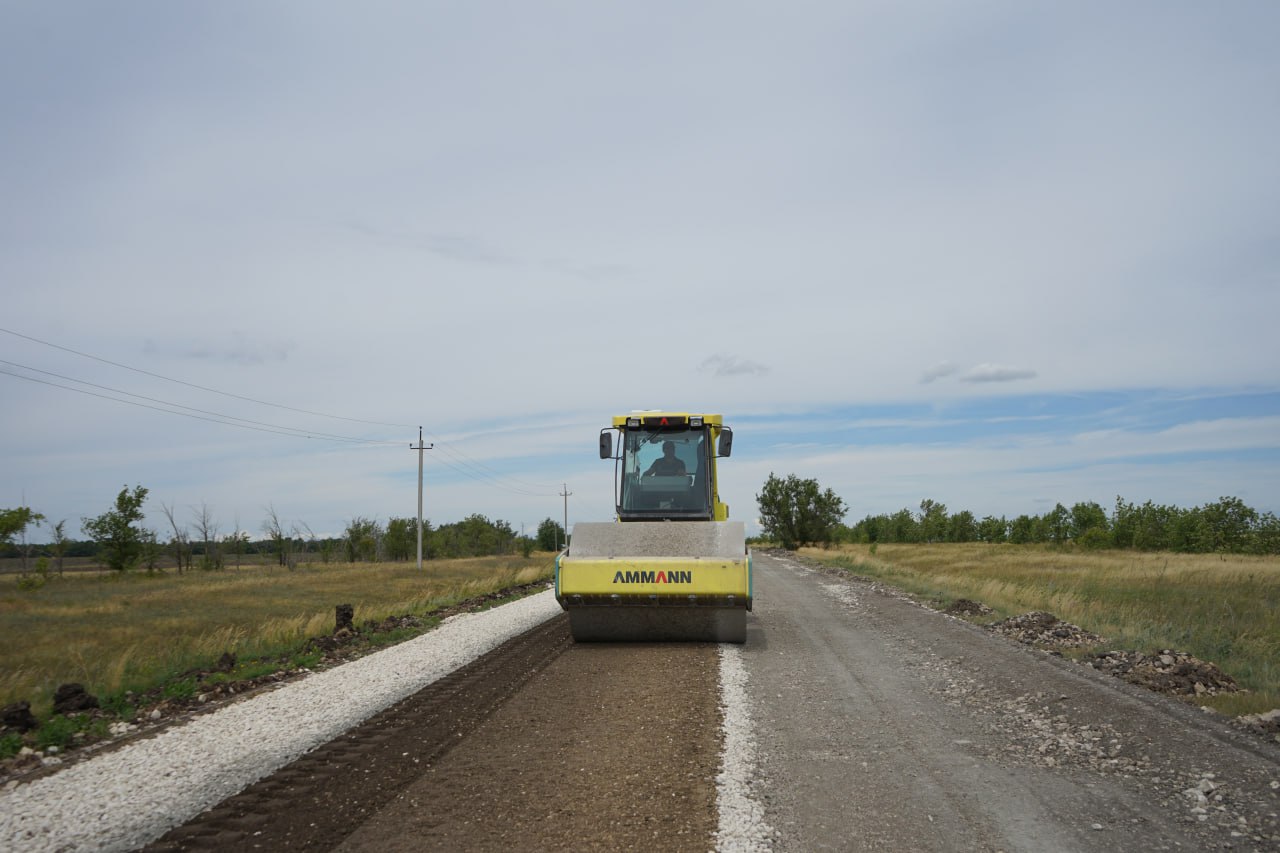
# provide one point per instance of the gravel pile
(1267, 725)
(968, 607)
(127, 797)
(1044, 629)
(1166, 671)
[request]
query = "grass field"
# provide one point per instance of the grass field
(1220, 608)
(114, 633)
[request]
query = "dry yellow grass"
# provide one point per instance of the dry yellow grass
(117, 632)
(1221, 608)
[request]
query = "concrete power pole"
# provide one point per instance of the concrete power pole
(420, 447)
(565, 494)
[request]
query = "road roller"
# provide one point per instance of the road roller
(671, 565)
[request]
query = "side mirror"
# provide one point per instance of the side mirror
(725, 447)
(606, 444)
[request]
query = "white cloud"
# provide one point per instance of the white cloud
(996, 373)
(723, 364)
(977, 374)
(938, 371)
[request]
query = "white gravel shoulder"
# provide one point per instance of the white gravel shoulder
(741, 823)
(131, 796)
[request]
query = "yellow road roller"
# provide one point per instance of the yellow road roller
(671, 566)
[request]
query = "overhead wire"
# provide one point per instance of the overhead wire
(222, 418)
(199, 387)
(216, 420)
(493, 481)
(461, 464)
(484, 470)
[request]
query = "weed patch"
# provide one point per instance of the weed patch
(10, 744)
(57, 731)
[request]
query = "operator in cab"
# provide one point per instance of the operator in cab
(668, 464)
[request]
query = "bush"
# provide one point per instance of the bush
(1094, 539)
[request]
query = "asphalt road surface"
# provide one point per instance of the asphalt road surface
(878, 724)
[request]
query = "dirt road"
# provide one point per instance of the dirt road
(883, 725)
(878, 725)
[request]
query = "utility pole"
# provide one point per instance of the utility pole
(420, 447)
(565, 494)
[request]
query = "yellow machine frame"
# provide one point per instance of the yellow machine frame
(660, 575)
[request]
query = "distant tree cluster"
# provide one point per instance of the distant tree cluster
(795, 512)
(117, 539)
(1225, 525)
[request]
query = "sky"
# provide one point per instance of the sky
(1000, 255)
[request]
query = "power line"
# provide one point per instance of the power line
(283, 430)
(482, 470)
(491, 480)
(227, 420)
(193, 385)
(462, 464)
(215, 420)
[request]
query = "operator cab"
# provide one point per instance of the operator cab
(666, 466)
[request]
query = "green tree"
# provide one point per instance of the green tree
(933, 521)
(867, 530)
(1087, 516)
(14, 523)
(1056, 524)
(1265, 536)
(1229, 521)
(992, 529)
(550, 535)
(1022, 530)
(363, 539)
(120, 539)
(401, 539)
(962, 527)
(901, 527)
(798, 512)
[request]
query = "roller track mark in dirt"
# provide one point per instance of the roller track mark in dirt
(316, 801)
(614, 746)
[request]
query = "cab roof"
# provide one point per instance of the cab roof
(660, 418)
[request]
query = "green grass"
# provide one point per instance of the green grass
(135, 632)
(1223, 609)
(57, 731)
(10, 744)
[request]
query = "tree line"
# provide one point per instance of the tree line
(797, 512)
(1225, 525)
(117, 539)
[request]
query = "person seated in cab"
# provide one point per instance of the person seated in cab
(668, 464)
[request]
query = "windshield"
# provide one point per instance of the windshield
(665, 472)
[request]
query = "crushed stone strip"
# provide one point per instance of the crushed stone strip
(125, 798)
(742, 827)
